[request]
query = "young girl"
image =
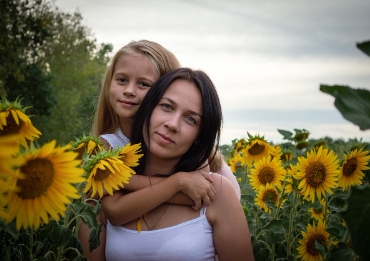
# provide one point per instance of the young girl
(178, 125)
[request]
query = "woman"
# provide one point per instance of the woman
(178, 125)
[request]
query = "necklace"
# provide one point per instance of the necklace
(146, 223)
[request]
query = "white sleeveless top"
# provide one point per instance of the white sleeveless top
(117, 139)
(188, 241)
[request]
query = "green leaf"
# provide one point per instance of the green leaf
(357, 216)
(341, 253)
(287, 134)
(335, 231)
(353, 104)
(10, 228)
(94, 238)
(60, 235)
(364, 46)
(87, 213)
(275, 226)
(321, 248)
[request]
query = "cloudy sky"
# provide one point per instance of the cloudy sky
(267, 58)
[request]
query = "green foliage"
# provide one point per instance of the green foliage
(357, 216)
(51, 60)
(353, 104)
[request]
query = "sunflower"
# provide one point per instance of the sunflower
(307, 250)
(276, 152)
(351, 171)
(265, 193)
(318, 212)
(89, 144)
(286, 156)
(290, 180)
(256, 149)
(235, 162)
(129, 154)
(13, 120)
(110, 170)
(43, 185)
(9, 149)
(317, 173)
(267, 171)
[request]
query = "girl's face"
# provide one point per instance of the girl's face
(132, 77)
(175, 121)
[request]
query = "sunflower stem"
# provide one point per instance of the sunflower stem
(292, 214)
(326, 207)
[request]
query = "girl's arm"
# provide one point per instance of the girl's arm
(122, 208)
(230, 228)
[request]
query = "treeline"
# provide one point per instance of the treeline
(53, 62)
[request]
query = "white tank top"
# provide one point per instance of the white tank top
(117, 139)
(191, 240)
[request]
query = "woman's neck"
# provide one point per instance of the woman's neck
(159, 166)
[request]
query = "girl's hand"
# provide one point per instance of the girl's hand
(197, 186)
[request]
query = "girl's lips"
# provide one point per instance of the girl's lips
(164, 138)
(128, 103)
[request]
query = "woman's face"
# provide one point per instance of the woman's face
(175, 121)
(132, 78)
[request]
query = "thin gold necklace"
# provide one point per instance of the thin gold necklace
(146, 223)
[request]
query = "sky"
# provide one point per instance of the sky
(267, 58)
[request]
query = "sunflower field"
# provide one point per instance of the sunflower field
(304, 199)
(296, 194)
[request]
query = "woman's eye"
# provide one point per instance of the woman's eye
(166, 107)
(121, 79)
(191, 120)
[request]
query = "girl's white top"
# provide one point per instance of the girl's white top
(191, 240)
(117, 139)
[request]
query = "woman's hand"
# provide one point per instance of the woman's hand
(197, 185)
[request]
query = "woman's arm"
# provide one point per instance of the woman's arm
(122, 208)
(230, 228)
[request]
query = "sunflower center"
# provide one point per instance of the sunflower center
(256, 149)
(311, 243)
(270, 195)
(316, 173)
(80, 151)
(349, 167)
(317, 211)
(101, 174)
(123, 157)
(11, 127)
(39, 176)
(266, 175)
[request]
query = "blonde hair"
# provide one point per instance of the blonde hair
(105, 119)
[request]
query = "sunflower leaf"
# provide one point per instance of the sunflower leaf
(287, 134)
(357, 216)
(60, 235)
(341, 253)
(94, 238)
(275, 226)
(353, 104)
(321, 248)
(364, 46)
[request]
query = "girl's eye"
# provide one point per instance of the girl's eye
(166, 107)
(191, 120)
(144, 84)
(121, 80)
